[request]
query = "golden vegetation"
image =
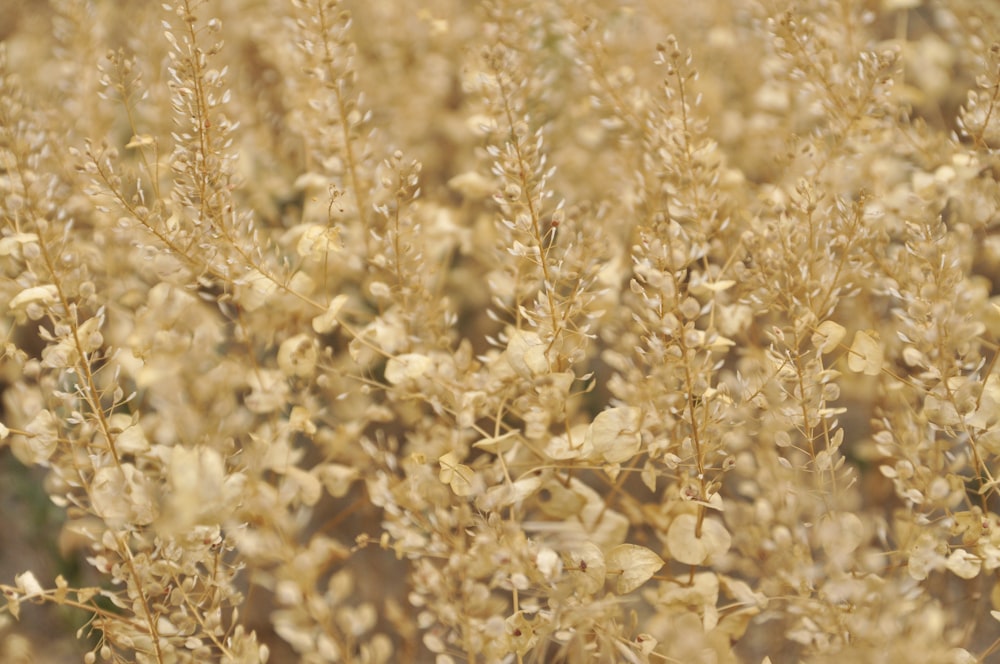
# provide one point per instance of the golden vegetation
(523, 332)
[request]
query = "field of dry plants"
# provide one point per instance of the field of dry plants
(573, 331)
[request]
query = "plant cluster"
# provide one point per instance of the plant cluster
(344, 331)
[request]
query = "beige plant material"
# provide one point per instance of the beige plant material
(694, 543)
(343, 331)
(633, 565)
(865, 355)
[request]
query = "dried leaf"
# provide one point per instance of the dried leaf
(828, 334)
(866, 354)
(987, 413)
(309, 487)
(521, 631)
(456, 475)
(526, 354)
(13, 605)
(42, 295)
(12, 244)
(327, 321)
(646, 643)
(406, 367)
(62, 588)
(690, 548)
(636, 565)
(576, 444)
(497, 444)
(742, 592)
(504, 495)
(840, 533)
(42, 439)
(964, 564)
(129, 436)
(269, 390)
(337, 478)
(255, 289)
(559, 501)
(718, 286)
(614, 434)
(924, 557)
(648, 475)
(297, 356)
(317, 241)
(433, 642)
(588, 562)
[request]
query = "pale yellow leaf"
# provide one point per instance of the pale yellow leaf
(433, 642)
(614, 434)
(309, 486)
(43, 295)
(648, 475)
(526, 354)
(128, 435)
(337, 478)
(576, 444)
(646, 643)
(317, 241)
(689, 546)
(12, 244)
(297, 356)
(456, 475)
(841, 531)
(828, 334)
(588, 562)
(559, 501)
(497, 444)
(42, 439)
(719, 286)
(13, 605)
(963, 564)
(636, 565)
(924, 557)
(62, 588)
(141, 141)
(462, 482)
(521, 631)
(255, 289)
(327, 320)
(866, 354)
(504, 495)
(406, 366)
(840, 534)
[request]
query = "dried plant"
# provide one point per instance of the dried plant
(348, 331)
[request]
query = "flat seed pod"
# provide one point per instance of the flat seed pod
(866, 355)
(637, 565)
(687, 547)
(588, 562)
(614, 434)
(456, 475)
(828, 335)
(408, 365)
